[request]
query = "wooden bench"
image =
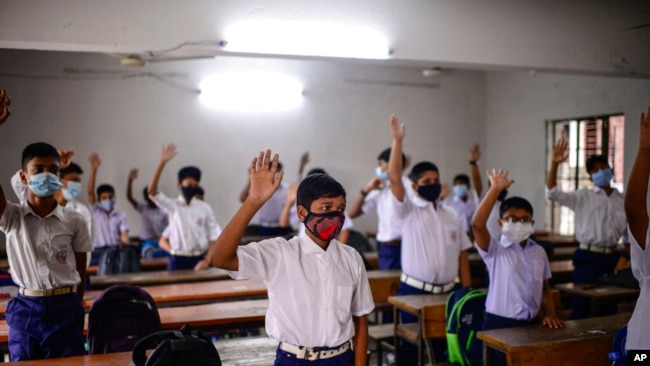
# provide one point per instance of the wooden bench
(158, 277)
(599, 294)
(581, 342)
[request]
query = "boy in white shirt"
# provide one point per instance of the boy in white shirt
(637, 216)
(318, 288)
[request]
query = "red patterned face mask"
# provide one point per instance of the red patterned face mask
(326, 226)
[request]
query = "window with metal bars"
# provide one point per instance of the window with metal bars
(600, 135)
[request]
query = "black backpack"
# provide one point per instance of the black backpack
(119, 259)
(187, 346)
(119, 317)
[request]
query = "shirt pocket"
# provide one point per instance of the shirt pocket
(343, 302)
(452, 235)
(538, 270)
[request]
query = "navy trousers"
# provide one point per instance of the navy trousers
(45, 327)
(588, 266)
(181, 262)
(96, 255)
(389, 256)
(283, 358)
(492, 321)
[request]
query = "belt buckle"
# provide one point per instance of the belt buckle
(308, 353)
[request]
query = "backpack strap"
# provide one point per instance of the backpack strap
(140, 349)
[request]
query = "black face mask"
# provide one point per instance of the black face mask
(189, 192)
(502, 195)
(430, 192)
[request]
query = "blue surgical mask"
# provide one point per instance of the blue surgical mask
(381, 174)
(108, 204)
(430, 192)
(460, 190)
(603, 177)
(44, 184)
(72, 191)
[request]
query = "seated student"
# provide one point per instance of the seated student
(111, 225)
(434, 242)
(46, 247)
(463, 202)
(599, 223)
(192, 224)
(636, 210)
(318, 289)
(518, 267)
(376, 195)
(154, 220)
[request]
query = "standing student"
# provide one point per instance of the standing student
(192, 224)
(376, 195)
(518, 267)
(599, 223)
(47, 246)
(154, 220)
(318, 288)
(111, 225)
(636, 210)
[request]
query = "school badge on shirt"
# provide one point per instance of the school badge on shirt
(453, 236)
(62, 254)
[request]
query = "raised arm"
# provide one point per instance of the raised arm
(264, 182)
(5, 101)
(498, 182)
(304, 160)
(636, 208)
(244, 192)
(395, 160)
(65, 158)
(94, 165)
(168, 152)
(356, 208)
(559, 155)
(474, 157)
(133, 174)
(285, 219)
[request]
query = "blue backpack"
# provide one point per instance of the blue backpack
(465, 313)
(618, 354)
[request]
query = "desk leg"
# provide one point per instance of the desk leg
(486, 358)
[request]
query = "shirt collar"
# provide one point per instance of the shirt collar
(308, 246)
(597, 189)
(57, 212)
(181, 199)
(419, 201)
(507, 243)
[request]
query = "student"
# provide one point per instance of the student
(46, 247)
(111, 225)
(518, 267)
(434, 242)
(599, 223)
(5, 101)
(376, 195)
(154, 220)
(318, 288)
(192, 224)
(462, 201)
(636, 210)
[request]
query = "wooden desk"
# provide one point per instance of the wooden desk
(238, 351)
(582, 342)
(158, 277)
(599, 294)
(373, 259)
(558, 241)
(147, 264)
(383, 284)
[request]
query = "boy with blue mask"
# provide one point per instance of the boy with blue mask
(599, 223)
(47, 247)
(518, 267)
(111, 227)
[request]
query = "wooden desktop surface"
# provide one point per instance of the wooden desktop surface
(158, 277)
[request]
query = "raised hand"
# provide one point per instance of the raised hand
(499, 179)
(168, 152)
(5, 101)
(94, 161)
(304, 160)
(133, 174)
(65, 158)
(396, 129)
(375, 183)
(560, 152)
(292, 193)
(264, 177)
(644, 132)
(475, 153)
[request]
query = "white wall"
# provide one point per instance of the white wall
(518, 104)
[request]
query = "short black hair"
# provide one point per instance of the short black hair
(38, 150)
(200, 191)
(72, 168)
(317, 186)
(463, 178)
(515, 202)
(593, 159)
(189, 172)
(105, 188)
(316, 171)
(385, 156)
(419, 169)
(145, 193)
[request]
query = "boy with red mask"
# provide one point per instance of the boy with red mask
(318, 288)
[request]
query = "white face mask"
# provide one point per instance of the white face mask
(517, 232)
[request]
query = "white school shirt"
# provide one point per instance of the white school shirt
(41, 251)
(154, 221)
(599, 219)
(516, 278)
(108, 227)
(389, 225)
(191, 226)
(271, 211)
(464, 210)
(637, 327)
(431, 240)
(493, 221)
(313, 293)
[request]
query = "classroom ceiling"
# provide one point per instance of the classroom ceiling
(595, 37)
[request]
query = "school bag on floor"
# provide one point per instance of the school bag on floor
(187, 346)
(119, 259)
(119, 317)
(618, 354)
(465, 311)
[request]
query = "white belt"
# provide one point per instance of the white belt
(47, 292)
(184, 253)
(597, 249)
(425, 286)
(303, 353)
